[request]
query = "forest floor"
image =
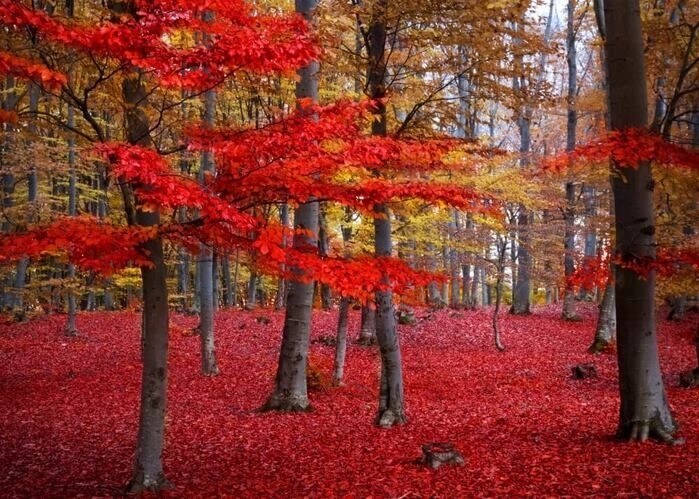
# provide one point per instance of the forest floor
(69, 412)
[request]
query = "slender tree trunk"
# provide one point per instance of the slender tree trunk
(252, 290)
(71, 328)
(324, 250)
(500, 269)
(434, 299)
(569, 313)
(148, 468)
(605, 332)
(341, 341)
(644, 411)
(291, 391)
(205, 259)
(280, 301)
(391, 402)
(227, 284)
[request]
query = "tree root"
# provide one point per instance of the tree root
(641, 431)
(142, 483)
(598, 346)
(571, 317)
(390, 417)
(278, 403)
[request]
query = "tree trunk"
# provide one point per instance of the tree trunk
(391, 402)
(280, 301)
(205, 261)
(227, 284)
(71, 328)
(291, 392)
(569, 313)
(605, 332)
(148, 468)
(324, 249)
(644, 411)
(367, 332)
(252, 290)
(341, 341)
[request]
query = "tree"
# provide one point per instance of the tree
(644, 410)
(290, 391)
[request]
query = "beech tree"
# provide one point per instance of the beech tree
(644, 408)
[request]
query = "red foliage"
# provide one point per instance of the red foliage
(30, 70)
(628, 148)
(239, 39)
(524, 426)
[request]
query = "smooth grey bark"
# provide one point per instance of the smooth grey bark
(367, 331)
(343, 313)
(466, 296)
(341, 341)
(569, 312)
(71, 328)
(391, 401)
(605, 331)
(252, 290)
(205, 260)
(234, 284)
(291, 391)
(280, 301)
(434, 298)
(454, 264)
(227, 281)
(324, 250)
(500, 273)
(644, 410)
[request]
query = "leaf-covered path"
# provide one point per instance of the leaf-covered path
(525, 427)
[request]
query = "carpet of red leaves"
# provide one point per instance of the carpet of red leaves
(526, 428)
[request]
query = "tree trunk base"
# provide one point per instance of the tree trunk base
(390, 417)
(211, 371)
(277, 403)
(71, 332)
(571, 317)
(519, 311)
(141, 483)
(640, 431)
(600, 345)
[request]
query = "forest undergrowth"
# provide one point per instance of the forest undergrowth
(69, 411)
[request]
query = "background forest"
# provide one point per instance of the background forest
(510, 186)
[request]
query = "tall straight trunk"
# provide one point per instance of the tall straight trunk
(205, 259)
(341, 341)
(324, 250)
(434, 299)
(291, 391)
(9, 101)
(569, 313)
(391, 402)
(454, 264)
(234, 284)
(148, 467)
(280, 301)
(71, 328)
(227, 283)
(644, 410)
(252, 290)
(466, 296)
(476, 300)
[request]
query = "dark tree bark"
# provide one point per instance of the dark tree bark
(605, 332)
(291, 391)
(343, 313)
(569, 313)
(280, 300)
(391, 403)
(324, 250)
(644, 410)
(148, 468)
